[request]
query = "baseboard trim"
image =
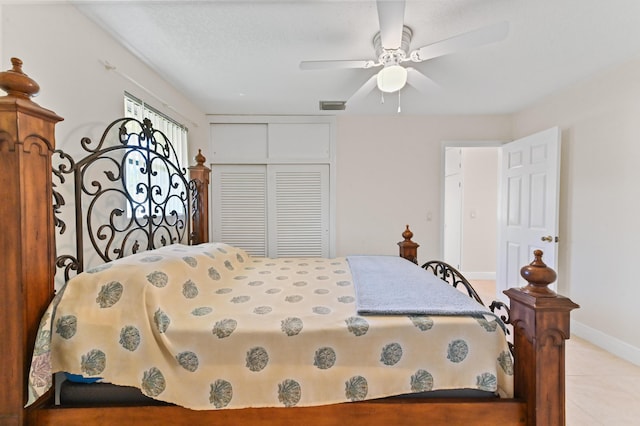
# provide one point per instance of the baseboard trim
(609, 343)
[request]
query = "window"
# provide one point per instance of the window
(176, 132)
(135, 176)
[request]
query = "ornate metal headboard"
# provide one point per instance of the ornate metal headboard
(130, 194)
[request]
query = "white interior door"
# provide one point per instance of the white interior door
(452, 240)
(528, 211)
(453, 221)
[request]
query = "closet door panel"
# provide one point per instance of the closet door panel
(299, 210)
(239, 198)
(299, 141)
(239, 142)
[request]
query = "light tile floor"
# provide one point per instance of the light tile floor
(601, 388)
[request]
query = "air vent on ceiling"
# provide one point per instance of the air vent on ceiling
(333, 105)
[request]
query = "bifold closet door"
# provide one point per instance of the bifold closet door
(276, 210)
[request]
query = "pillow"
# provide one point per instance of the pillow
(78, 378)
(233, 258)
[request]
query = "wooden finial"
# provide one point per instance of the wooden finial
(200, 159)
(539, 276)
(407, 234)
(408, 249)
(16, 83)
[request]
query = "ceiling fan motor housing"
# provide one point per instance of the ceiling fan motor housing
(393, 55)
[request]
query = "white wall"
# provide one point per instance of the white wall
(479, 212)
(389, 175)
(61, 50)
(599, 202)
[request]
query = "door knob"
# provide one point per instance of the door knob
(548, 238)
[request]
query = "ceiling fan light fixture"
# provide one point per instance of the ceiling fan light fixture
(392, 78)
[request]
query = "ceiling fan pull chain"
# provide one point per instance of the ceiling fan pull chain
(381, 97)
(399, 107)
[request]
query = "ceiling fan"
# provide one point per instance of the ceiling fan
(391, 45)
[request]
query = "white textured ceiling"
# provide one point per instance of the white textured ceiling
(242, 57)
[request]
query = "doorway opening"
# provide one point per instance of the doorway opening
(470, 207)
(524, 208)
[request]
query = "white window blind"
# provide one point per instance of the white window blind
(177, 135)
(173, 130)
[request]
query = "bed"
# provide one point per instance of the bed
(539, 318)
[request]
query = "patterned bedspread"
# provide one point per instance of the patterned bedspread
(208, 327)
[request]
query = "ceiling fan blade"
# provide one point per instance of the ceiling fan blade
(324, 65)
(485, 35)
(391, 18)
(420, 81)
(364, 90)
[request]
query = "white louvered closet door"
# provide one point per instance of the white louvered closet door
(272, 210)
(239, 198)
(298, 210)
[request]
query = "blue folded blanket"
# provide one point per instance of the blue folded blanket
(391, 285)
